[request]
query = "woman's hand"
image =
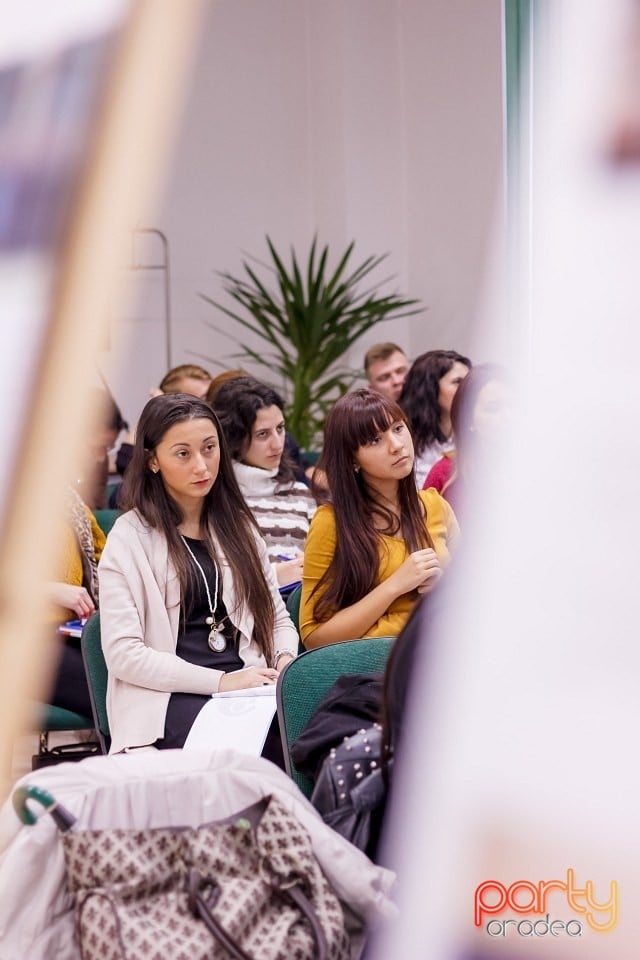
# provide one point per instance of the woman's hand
(250, 677)
(420, 571)
(282, 661)
(432, 578)
(72, 598)
(288, 571)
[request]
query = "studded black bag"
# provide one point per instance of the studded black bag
(350, 790)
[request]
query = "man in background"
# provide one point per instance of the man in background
(386, 367)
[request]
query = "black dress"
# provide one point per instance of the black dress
(193, 646)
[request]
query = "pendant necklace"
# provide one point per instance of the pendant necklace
(216, 640)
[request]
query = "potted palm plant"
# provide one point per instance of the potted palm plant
(307, 323)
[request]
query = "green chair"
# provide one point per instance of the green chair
(304, 682)
(54, 719)
(293, 607)
(96, 670)
(106, 519)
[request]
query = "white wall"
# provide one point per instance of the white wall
(374, 120)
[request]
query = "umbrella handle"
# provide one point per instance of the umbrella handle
(62, 817)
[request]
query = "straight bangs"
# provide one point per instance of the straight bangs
(355, 420)
(370, 414)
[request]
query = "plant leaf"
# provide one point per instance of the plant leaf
(308, 322)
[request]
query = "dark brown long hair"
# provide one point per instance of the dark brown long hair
(419, 397)
(224, 514)
(236, 403)
(355, 420)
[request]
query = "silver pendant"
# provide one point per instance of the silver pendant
(217, 640)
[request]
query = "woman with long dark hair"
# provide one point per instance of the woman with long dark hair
(189, 604)
(380, 543)
(480, 413)
(252, 418)
(426, 399)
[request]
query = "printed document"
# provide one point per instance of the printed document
(236, 719)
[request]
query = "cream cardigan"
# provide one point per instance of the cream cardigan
(139, 617)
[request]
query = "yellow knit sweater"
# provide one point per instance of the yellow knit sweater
(320, 548)
(70, 566)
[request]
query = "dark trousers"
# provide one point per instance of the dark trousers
(70, 687)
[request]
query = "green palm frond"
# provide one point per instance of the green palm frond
(308, 317)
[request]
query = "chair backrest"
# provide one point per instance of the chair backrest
(293, 608)
(304, 682)
(293, 605)
(96, 669)
(106, 519)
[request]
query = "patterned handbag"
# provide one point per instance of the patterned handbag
(247, 887)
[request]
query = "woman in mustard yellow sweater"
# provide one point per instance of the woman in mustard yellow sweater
(75, 595)
(380, 543)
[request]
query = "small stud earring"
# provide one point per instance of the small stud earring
(356, 469)
(154, 469)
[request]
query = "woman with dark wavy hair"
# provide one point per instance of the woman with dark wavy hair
(426, 399)
(380, 543)
(189, 604)
(252, 418)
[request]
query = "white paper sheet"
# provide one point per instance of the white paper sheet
(236, 719)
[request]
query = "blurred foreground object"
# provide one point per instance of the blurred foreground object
(623, 141)
(88, 94)
(519, 832)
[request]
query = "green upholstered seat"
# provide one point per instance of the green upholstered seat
(96, 670)
(52, 719)
(57, 718)
(106, 519)
(293, 606)
(305, 681)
